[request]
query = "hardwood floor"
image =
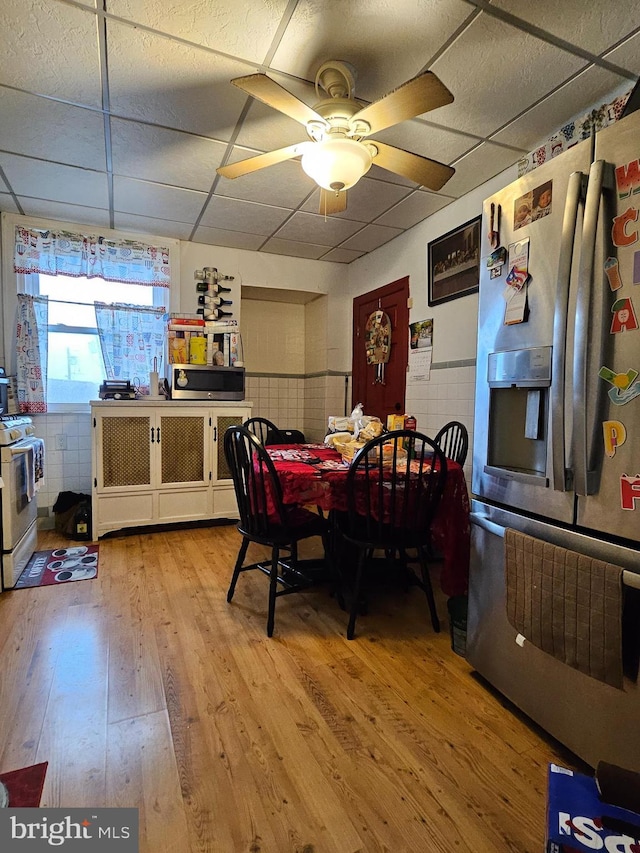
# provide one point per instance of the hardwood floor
(144, 688)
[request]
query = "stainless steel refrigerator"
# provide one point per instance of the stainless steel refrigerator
(557, 420)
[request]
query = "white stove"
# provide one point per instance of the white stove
(14, 428)
(19, 503)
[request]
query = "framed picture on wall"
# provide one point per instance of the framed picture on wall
(454, 263)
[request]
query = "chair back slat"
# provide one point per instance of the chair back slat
(453, 439)
(255, 482)
(394, 487)
(264, 430)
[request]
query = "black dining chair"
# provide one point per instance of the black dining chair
(258, 489)
(394, 487)
(453, 439)
(264, 430)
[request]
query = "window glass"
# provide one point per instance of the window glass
(75, 364)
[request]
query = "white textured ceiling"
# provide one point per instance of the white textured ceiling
(116, 113)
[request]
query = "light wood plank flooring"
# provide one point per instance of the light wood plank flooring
(145, 688)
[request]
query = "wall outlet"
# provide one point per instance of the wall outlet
(61, 442)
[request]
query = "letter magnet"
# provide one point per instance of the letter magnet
(615, 435)
(629, 491)
(624, 316)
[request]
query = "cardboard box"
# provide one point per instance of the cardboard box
(579, 820)
(395, 422)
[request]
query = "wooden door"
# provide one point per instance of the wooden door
(388, 398)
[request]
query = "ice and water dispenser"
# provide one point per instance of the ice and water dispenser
(519, 382)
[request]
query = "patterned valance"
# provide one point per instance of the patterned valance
(79, 255)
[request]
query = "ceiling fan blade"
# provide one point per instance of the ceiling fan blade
(416, 96)
(274, 95)
(260, 161)
(427, 173)
(331, 202)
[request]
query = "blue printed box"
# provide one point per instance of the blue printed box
(579, 821)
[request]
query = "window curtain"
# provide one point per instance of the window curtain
(66, 253)
(32, 346)
(132, 341)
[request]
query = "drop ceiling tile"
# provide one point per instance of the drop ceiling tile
(152, 225)
(154, 153)
(387, 43)
(594, 85)
(592, 26)
(413, 209)
(38, 127)
(367, 200)
(241, 30)
(230, 239)
(283, 185)
(342, 256)
(627, 55)
(7, 204)
(54, 182)
(477, 167)
(147, 199)
(246, 216)
(155, 79)
(428, 139)
(495, 72)
(371, 237)
(276, 246)
(311, 227)
(266, 129)
(50, 48)
(71, 213)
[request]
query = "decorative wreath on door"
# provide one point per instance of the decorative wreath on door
(378, 341)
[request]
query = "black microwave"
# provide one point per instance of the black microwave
(205, 382)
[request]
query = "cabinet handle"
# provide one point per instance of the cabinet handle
(152, 434)
(158, 435)
(215, 433)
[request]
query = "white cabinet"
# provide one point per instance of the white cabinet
(160, 463)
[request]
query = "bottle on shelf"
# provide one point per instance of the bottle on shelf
(214, 289)
(215, 301)
(216, 314)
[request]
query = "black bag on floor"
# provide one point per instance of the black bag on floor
(65, 508)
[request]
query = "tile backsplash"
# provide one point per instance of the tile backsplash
(292, 402)
(67, 439)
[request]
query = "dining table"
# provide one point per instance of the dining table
(316, 475)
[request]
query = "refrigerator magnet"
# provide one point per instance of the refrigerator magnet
(629, 491)
(615, 435)
(625, 387)
(612, 272)
(624, 316)
(636, 267)
(518, 264)
(619, 233)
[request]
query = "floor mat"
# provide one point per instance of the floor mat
(23, 788)
(45, 568)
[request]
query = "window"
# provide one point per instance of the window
(75, 361)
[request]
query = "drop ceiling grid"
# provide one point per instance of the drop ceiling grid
(161, 78)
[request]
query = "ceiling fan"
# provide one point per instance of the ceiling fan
(339, 151)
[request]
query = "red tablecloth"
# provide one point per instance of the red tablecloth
(315, 474)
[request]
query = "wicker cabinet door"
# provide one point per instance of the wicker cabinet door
(125, 451)
(183, 448)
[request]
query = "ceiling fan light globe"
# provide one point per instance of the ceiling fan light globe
(336, 164)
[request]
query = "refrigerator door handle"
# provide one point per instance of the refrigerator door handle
(576, 189)
(600, 178)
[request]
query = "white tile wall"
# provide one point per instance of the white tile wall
(448, 396)
(291, 402)
(66, 470)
